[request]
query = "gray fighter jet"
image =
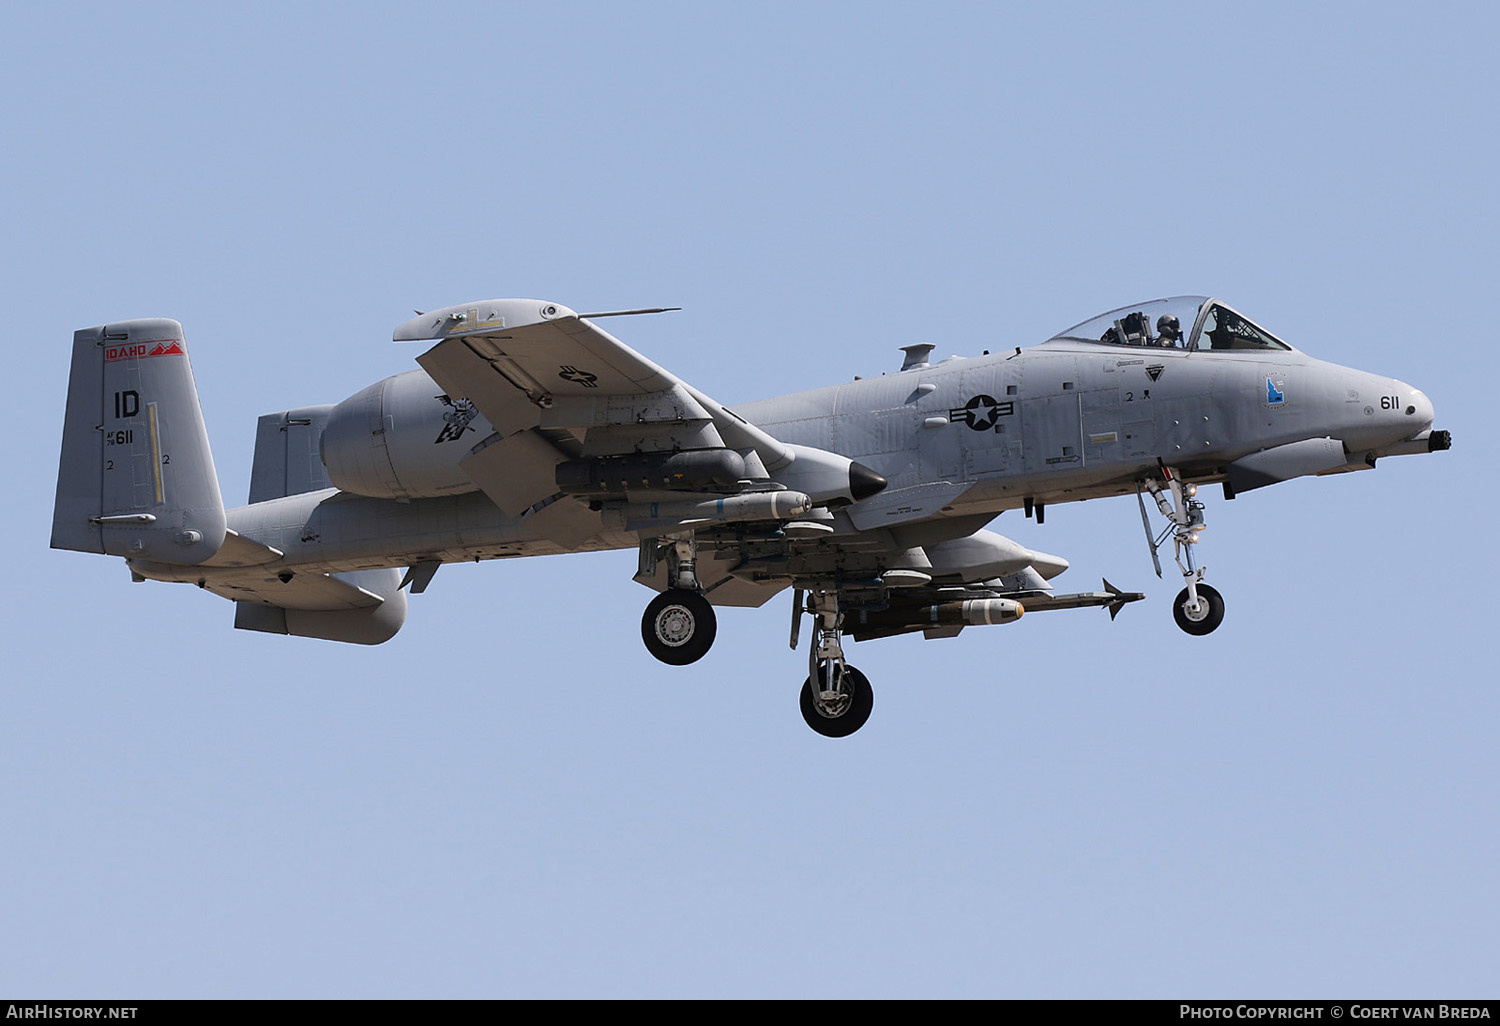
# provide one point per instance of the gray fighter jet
(529, 430)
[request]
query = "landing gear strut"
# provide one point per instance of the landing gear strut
(836, 698)
(1199, 608)
(679, 625)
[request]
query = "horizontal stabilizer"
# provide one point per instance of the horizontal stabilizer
(363, 607)
(309, 591)
(238, 550)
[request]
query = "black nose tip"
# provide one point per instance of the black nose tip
(864, 482)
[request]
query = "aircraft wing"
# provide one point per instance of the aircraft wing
(556, 387)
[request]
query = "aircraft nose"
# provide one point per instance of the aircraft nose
(1419, 410)
(1383, 412)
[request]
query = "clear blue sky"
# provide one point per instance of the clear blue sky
(512, 798)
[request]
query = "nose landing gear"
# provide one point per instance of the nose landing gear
(1198, 608)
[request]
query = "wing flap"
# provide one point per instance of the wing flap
(516, 472)
(566, 521)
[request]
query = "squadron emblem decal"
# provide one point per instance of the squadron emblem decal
(1274, 395)
(456, 418)
(983, 412)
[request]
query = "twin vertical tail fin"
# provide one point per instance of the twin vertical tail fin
(137, 478)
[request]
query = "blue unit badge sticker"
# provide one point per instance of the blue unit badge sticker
(1275, 395)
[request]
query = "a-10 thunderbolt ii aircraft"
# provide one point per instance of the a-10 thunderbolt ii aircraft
(529, 430)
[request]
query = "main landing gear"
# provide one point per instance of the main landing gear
(679, 625)
(836, 698)
(1198, 608)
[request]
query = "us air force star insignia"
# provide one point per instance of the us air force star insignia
(581, 377)
(981, 412)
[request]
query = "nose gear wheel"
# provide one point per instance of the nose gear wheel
(1203, 616)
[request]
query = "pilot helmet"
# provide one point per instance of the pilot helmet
(1168, 328)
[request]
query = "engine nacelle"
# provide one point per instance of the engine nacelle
(828, 476)
(401, 438)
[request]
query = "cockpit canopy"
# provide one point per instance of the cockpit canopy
(1181, 322)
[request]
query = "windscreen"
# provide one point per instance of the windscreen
(1224, 329)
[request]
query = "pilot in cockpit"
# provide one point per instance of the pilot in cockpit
(1169, 332)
